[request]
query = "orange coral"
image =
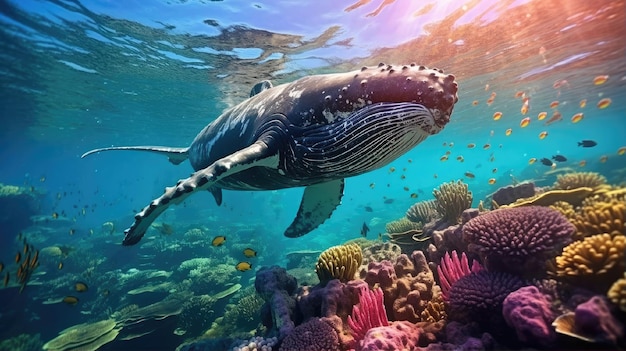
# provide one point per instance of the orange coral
(601, 217)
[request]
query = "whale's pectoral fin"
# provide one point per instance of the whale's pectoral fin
(176, 155)
(257, 154)
(318, 203)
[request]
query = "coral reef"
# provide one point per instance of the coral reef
(593, 323)
(572, 196)
(22, 342)
(339, 262)
(450, 238)
(400, 335)
(518, 240)
(87, 336)
(527, 311)
(369, 313)
(452, 199)
(617, 293)
(276, 287)
(479, 296)
(578, 180)
(595, 262)
(600, 218)
(313, 335)
(196, 315)
(378, 252)
(422, 212)
(453, 268)
(509, 194)
(256, 343)
(409, 241)
(402, 225)
(408, 284)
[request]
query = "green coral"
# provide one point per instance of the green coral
(402, 225)
(452, 199)
(22, 342)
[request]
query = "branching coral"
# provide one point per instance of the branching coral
(452, 199)
(339, 262)
(579, 180)
(453, 268)
(369, 313)
(617, 293)
(565, 208)
(601, 217)
(595, 262)
(402, 225)
(423, 212)
(518, 240)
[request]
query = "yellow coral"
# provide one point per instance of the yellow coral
(594, 261)
(572, 196)
(339, 262)
(617, 293)
(435, 310)
(565, 208)
(402, 225)
(579, 180)
(601, 217)
(452, 199)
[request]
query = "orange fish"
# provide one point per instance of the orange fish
(621, 150)
(492, 181)
(582, 103)
(543, 135)
(475, 103)
(582, 163)
(532, 160)
(524, 109)
(508, 132)
(556, 116)
(519, 94)
(599, 80)
(497, 115)
(604, 103)
(525, 122)
(554, 104)
(604, 158)
(490, 100)
(577, 117)
(542, 115)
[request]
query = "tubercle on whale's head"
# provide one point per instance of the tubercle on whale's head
(411, 83)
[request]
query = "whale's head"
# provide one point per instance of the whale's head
(339, 95)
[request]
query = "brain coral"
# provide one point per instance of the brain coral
(595, 262)
(578, 180)
(518, 240)
(339, 262)
(479, 296)
(313, 335)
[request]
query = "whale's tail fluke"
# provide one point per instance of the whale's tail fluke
(176, 155)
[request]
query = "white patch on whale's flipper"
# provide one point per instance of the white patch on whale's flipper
(176, 155)
(318, 203)
(257, 154)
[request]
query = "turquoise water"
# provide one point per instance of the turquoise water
(78, 75)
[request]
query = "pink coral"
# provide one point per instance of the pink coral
(397, 336)
(527, 311)
(452, 269)
(408, 285)
(369, 313)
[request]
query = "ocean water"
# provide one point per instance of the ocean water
(79, 75)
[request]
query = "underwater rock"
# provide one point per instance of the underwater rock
(509, 194)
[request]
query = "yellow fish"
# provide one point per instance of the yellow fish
(243, 266)
(248, 252)
(70, 300)
(81, 287)
(218, 240)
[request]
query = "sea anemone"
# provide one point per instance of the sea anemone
(518, 240)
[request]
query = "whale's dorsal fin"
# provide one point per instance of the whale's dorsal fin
(260, 86)
(176, 155)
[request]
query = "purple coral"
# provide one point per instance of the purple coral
(452, 269)
(369, 313)
(401, 335)
(594, 319)
(313, 335)
(527, 311)
(276, 286)
(480, 295)
(518, 240)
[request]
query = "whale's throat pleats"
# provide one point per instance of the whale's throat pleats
(366, 140)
